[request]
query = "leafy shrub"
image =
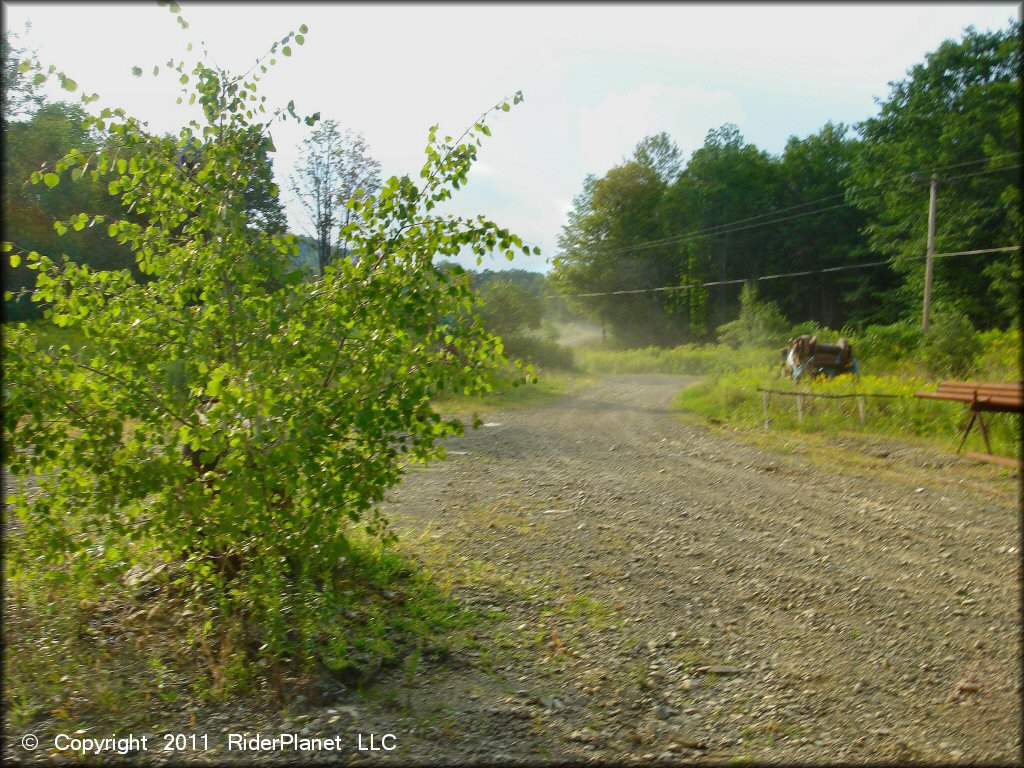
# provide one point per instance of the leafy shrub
(999, 356)
(885, 347)
(539, 352)
(760, 322)
(231, 416)
(949, 347)
(507, 307)
(809, 328)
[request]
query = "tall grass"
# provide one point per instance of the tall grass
(893, 360)
(689, 359)
(734, 397)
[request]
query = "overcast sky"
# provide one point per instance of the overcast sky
(596, 78)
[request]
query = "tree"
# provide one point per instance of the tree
(606, 246)
(317, 186)
(229, 416)
(21, 95)
(507, 307)
(825, 232)
(660, 154)
(959, 110)
(359, 176)
(262, 203)
(29, 210)
(726, 182)
(335, 167)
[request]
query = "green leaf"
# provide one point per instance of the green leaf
(15, 260)
(51, 179)
(287, 51)
(137, 71)
(303, 28)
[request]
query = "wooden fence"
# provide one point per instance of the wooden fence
(861, 400)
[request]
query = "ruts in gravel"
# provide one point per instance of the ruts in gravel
(859, 605)
(685, 595)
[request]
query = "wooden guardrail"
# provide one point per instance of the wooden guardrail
(800, 395)
(996, 397)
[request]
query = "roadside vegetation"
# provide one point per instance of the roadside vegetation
(196, 447)
(894, 359)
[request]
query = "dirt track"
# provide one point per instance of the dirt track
(856, 602)
(666, 590)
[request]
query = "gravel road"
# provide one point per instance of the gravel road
(855, 603)
(662, 590)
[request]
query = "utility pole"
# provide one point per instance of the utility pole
(930, 255)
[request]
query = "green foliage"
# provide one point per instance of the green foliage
(961, 105)
(999, 355)
(949, 348)
(760, 322)
(229, 415)
(829, 200)
(507, 307)
(883, 347)
(539, 352)
(30, 210)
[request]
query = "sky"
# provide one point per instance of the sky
(596, 78)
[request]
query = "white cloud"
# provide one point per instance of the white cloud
(597, 78)
(610, 130)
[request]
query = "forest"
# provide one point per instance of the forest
(847, 206)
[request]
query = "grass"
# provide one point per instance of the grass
(83, 655)
(549, 386)
(729, 391)
(734, 397)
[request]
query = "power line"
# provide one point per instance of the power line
(983, 250)
(976, 162)
(728, 227)
(737, 281)
(980, 173)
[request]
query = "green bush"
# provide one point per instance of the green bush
(760, 322)
(231, 416)
(999, 356)
(539, 352)
(949, 347)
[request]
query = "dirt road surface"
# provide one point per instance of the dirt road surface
(662, 590)
(709, 599)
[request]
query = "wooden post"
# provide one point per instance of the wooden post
(800, 408)
(764, 405)
(860, 407)
(930, 255)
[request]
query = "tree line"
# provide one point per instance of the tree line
(334, 166)
(843, 197)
